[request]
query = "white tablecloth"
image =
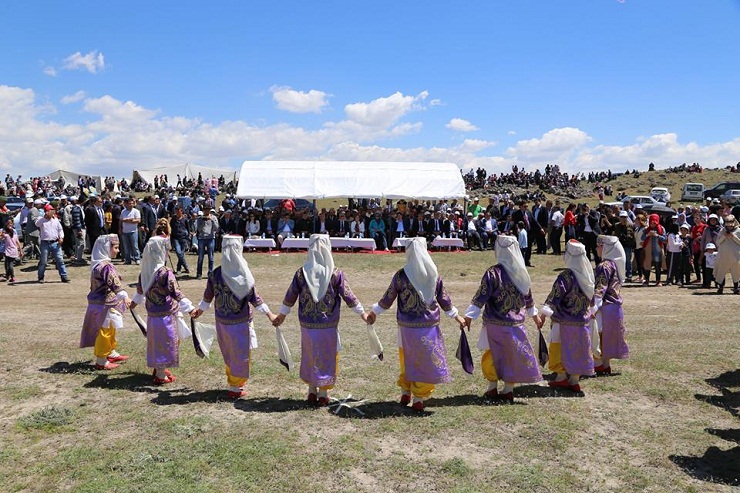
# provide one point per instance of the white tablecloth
(336, 242)
(259, 243)
(440, 242)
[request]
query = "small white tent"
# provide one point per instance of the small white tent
(185, 171)
(344, 179)
(72, 177)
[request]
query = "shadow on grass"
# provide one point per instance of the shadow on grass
(78, 367)
(135, 382)
(183, 396)
(717, 465)
(713, 292)
(272, 405)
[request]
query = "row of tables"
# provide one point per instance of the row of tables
(343, 242)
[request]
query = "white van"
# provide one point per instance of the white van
(693, 192)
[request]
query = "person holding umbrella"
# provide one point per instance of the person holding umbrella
(231, 287)
(421, 297)
(505, 299)
(319, 289)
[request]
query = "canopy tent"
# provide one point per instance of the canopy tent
(186, 170)
(345, 179)
(72, 177)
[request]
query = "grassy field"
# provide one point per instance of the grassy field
(661, 424)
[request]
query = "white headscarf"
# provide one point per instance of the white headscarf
(420, 269)
(152, 259)
(319, 267)
(234, 268)
(509, 256)
(101, 249)
(613, 250)
(576, 261)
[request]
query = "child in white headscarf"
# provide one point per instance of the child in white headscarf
(570, 306)
(505, 297)
(231, 287)
(319, 289)
(609, 276)
(105, 303)
(421, 296)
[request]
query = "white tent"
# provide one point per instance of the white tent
(185, 171)
(72, 177)
(344, 179)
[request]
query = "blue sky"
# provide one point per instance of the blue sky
(109, 87)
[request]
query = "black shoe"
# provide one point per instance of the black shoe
(65, 279)
(41, 281)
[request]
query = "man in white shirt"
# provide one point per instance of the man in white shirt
(556, 230)
(51, 237)
(129, 231)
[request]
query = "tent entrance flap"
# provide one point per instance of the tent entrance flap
(344, 179)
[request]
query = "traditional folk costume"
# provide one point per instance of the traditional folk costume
(609, 276)
(653, 246)
(421, 348)
(570, 306)
(506, 299)
(164, 306)
(231, 286)
(105, 304)
(728, 255)
(319, 289)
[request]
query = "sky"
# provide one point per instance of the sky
(109, 87)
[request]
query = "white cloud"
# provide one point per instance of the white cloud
(50, 71)
(73, 98)
(92, 62)
(383, 112)
(119, 136)
(511, 132)
(294, 101)
(460, 125)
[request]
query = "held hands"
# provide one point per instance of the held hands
(369, 317)
(278, 320)
(539, 320)
(271, 317)
(128, 302)
(196, 313)
(463, 322)
(132, 305)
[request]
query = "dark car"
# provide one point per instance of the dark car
(300, 204)
(14, 203)
(720, 188)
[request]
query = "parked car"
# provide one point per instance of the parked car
(692, 192)
(660, 194)
(645, 201)
(731, 196)
(14, 203)
(720, 188)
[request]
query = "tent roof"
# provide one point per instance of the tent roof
(344, 179)
(184, 170)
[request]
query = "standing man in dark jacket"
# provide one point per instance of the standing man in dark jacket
(181, 237)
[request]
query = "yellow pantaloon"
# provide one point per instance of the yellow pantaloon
(556, 360)
(105, 342)
(418, 389)
(235, 381)
(489, 369)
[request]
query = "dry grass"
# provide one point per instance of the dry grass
(115, 431)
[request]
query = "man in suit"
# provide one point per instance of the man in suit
(437, 225)
(341, 226)
(268, 224)
(94, 219)
(587, 229)
(416, 226)
(524, 215)
(148, 217)
(400, 226)
(541, 216)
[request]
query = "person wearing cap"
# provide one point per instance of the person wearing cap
(728, 256)
(570, 306)
(608, 279)
(624, 230)
(32, 231)
(106, 302)
(51, 236)
(206, 227)
(471, 232)
(319, 289)
(232, 288)
(157, 287)
(709, 235)
(710, 259)
(504, 297)
(475, 208)
(653, 243)
(420, 297)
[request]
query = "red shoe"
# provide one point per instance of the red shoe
(166, 372)
(311, 399)
(167, 379)
(107, 366)
(323, 401)
(237, 395)
(575, 388)
(405, 399)
(507, 397)
(418, 406)
(491, 394)
(603, 370)
(117, 359)
(560, 384)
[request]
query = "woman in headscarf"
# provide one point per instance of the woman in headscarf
(609, 276)
(728, 255)
(421, 348)
(231, 286)
(569, 304)
(653, 244)
(505, 295)
(157, 286)
(105, 304)
(319, 289)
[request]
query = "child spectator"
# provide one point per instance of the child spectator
(13, 250)
(710, 257)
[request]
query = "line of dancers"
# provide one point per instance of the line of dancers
(585, 307)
